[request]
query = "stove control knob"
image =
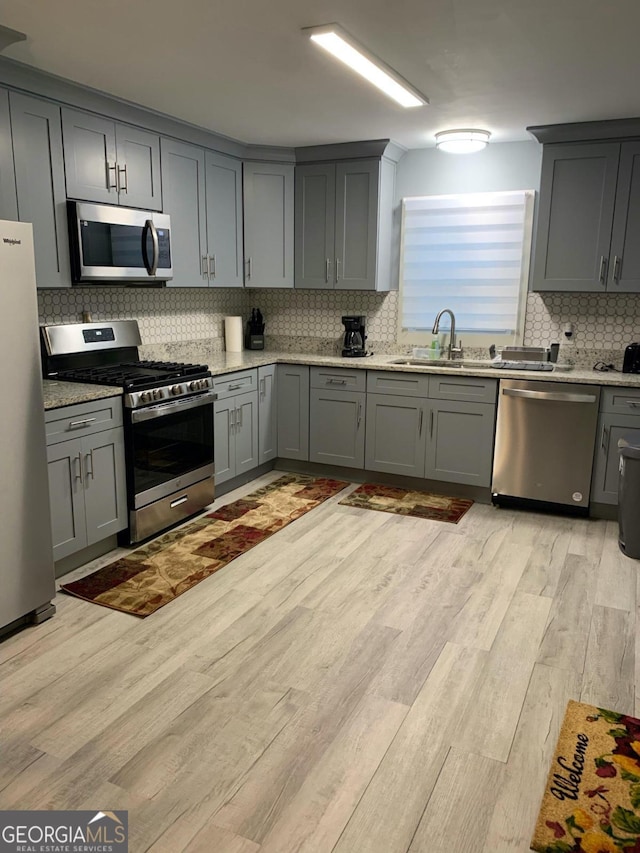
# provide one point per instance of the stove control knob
(194, 386)
(175, 390)
(158, 394)
(146, 396)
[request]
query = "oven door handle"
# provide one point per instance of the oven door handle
(159, 411)
(151, 267)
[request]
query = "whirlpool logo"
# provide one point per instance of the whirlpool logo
(11, 241)
(64, 831)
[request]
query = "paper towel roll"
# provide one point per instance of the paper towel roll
(233, 334)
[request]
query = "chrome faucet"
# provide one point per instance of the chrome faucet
(453, 350)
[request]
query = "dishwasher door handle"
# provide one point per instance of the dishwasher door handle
(556, 396)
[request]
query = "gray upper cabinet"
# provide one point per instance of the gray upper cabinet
(588, 218)
(343, 224)
(183, 186)
(40, 185)
(8, 202)
(224, 220)
(268, 224)
(109, 162)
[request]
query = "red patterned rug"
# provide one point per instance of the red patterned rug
(158, 572)
(408, 502)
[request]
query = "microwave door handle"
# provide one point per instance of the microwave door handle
(151, 267)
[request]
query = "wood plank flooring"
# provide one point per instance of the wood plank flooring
(359, 683)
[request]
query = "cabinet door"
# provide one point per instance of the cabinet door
(268, 224)
(611, 427)
(8, 203)
(315, 223)
(105, 492)
(138, 168)
(460, 442)
(183, 190)
(246, 432)
(575, 217)
(66, 498)
(395, 434)
(37, 136)
(90, 157)
(357, 192)
(336, 427)
(267, 414)
(224, 416)
(624, 267)
(224, 219)
(293, 411)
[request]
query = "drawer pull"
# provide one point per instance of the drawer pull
(633, 403)
(332, 381)
(234, 387)
(179, 501)
(80, 424)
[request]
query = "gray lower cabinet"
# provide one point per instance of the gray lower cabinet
(40, 185)
(110, 162)
(395, 434)
(236, 427)
(267, 414)
(337, 427)
(293, 411)
(88, 490)
(268, 224)
(8, 202)
(460, 442)
(619, 418)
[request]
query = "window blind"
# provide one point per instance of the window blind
(469, 253)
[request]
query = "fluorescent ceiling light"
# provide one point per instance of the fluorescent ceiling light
(462, 141)
(344, 47)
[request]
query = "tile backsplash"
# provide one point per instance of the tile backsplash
(601, 321)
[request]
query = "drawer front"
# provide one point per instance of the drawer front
(235, 383)
(396, 382)
(620, 400)
(469, 389)
(83, 419)
(338, 378)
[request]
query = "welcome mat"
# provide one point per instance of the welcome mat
(408, 502)
(592, 800)
(158, 572)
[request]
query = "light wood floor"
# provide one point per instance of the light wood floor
(359, 683)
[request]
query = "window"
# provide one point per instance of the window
(469, 253)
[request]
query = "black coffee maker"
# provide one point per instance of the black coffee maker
(354, 337)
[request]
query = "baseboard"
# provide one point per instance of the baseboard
(609, 512)
(243, 479)
(74, 561)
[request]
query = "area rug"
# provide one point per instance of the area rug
(592, 800)
(408, 502)
(158, 572)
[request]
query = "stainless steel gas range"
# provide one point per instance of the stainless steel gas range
(168, 418)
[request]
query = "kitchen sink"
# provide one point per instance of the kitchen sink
(442, 362)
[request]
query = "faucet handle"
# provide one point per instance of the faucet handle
(457, 350)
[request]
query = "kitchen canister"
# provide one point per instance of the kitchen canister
(233, 334)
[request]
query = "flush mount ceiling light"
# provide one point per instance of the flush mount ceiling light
(464, 141)
(339, 43)
(9, 36)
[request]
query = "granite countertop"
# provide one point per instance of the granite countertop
(57, 394)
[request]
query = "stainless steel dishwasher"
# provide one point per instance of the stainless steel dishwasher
(545, 438)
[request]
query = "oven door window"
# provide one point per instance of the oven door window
(171, 445)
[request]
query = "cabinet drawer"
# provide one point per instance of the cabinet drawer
(396, 382)
(464, 388)
(235, 383)
(83, 419)
(620, 400)
(338, 378)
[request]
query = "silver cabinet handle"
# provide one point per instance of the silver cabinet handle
(327, 270)
(179, 501)
(333, 381)
(240, 417)
(337, 270)
(211, 266)
(248, 268)
(234, 387)
(263, 387)
(123, 187)
(559, 397)
(603, 269)
(205, 267)
(604, 440)
(89, 455)
(232, 419)
(359, 415)
(82, 423)
(420, 422)
(112, 167)
(431, 423)
(78, 459)
(615, 275)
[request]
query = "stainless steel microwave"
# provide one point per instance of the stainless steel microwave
(118, 244)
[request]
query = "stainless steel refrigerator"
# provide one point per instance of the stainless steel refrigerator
(27, 582)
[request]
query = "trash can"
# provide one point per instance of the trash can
(629, 498)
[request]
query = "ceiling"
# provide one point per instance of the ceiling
(242, 67)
